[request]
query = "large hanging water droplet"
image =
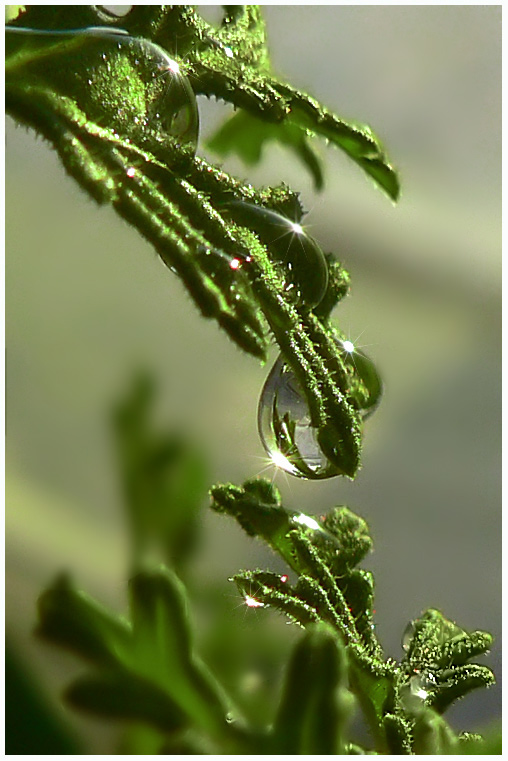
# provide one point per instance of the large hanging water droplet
(284, 421)
(303, 260)
(285, 427)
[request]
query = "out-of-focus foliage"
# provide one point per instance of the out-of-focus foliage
(31, 726)
(146, 669)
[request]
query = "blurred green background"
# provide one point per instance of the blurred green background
(88, 302)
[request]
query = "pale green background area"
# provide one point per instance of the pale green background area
(88, 301)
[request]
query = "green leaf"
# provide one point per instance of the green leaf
(32, 727)
(315, 705)
(397, 735)
(432, 735)
(437, 651)
(246, 136)
(163, 649)
(262, 589)
(453, 684)
(126, 696)
(373, 685)
(323, 552)
(353, 534)
(490, 744)
(148, 670)
(258, 508)
(163, 479)
(358, 589)
(339, 282)
(75, 621)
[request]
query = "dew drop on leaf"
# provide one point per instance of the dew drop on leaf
(138, 76)
(415, 692)
(306, 270)
(285, 427)
(407, 636)
(170, 104)
(284, 421)
(365, 386)
(317, 533)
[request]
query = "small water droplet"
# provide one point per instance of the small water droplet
(417, 686)
(131, 171)
(415, 692)
(174, 103)
(284, 578)
(407, 636)
(365, 383)
(251, 602)
(318, 535)
(285, 427)
(290, 245)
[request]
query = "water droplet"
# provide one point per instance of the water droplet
(407, 636)
(418, 686)
(174, 102)
(305, 520)
(251, 602)
(284, 578)
(319, 536)
(131, 171)
(365, 387)
(285, 427)
(284, 421)
(290, 245)
(166, 98)
(415, 692)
